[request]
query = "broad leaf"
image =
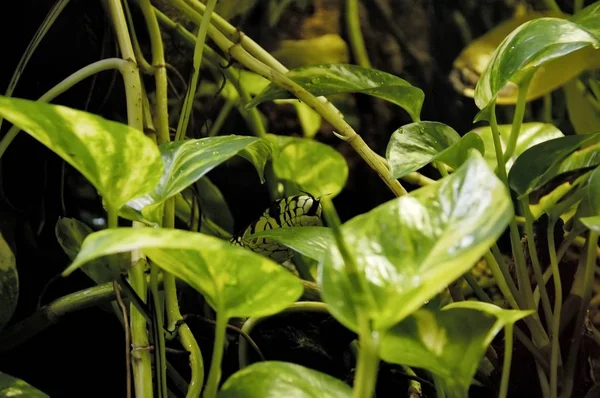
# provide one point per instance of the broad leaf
(12, 387)
(185, 162)
(213, 205)
(592, 223)
(314, 167)
(593, 191)
(311, 242)
(329, 48)
(542, 162)
(71, 233)
(120, 161)
(418, 144)
(409, 249)
(589, 18)
(274, 379)
(531, 134)
(583, 112)
(328, 79)
(450, 342)
(533, 44)
(234, 280)
(9, 283)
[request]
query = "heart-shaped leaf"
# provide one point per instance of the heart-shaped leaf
(450, 342)
(531, 45)
(71, 233)
(314, 167)
(274, 379)
(233, 280)
(409, 249)
(328, 79)
(9, 284)
(120, 161)
(531, 134)
(12, 387)
(185, 162)
(418, 144)
(544, 161)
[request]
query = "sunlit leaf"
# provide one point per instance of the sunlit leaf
(9, 284)
(329, 48)
(542, 41)
(71, 233)
(314, 167)
(542, 162)
(531, 134)
(409, 249)
(418, 144)
(12, 387)
(234, 280)
(327, 79)
(185, 162)
(589, 18)
(274, 379)
(450, 342)
(120, 161)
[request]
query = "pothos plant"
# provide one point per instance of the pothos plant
(388, 275)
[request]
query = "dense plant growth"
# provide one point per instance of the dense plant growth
(517, 200)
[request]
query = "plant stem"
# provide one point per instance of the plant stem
(518, 118)
(220, 119)
(50, 314)
(535, 262)
(127, 337)
(368, 359)
(577, 6)
(214, 375)
(159, 344)
(440, 392)
(142, 361)
(73, 79)
(325, 109)
(192, 86)
(590, 263)
(547, 108)
(508, 347)
(174, 317)
(554, 334)
(357, 42)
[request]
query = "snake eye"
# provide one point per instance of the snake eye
(275, 210)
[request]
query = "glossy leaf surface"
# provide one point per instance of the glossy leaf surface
(274, 379)
(232, 279)
(418, 144)
(119, 161)
(409, 249)
(450, 342)
(531, 134)
(542, 162)
(314, 167)
(531, 45)
(185, 162)
(328, 79)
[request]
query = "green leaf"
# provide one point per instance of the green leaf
(418, 144)
(592, 223)
(328, 79)
(410, 248)
(450, 342)
(185, 162)
(583, 113)
(593, 191)
(311, 242)
(213, 205)
(314, 167)
(120, 161)
(9, 284)
(589, 19)
(329, 48)
(542, 162)
(274, 379)
(531, 45)
(531, 134)
(12, 387)
(71, 233)
(234, 280)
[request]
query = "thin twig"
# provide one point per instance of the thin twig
(127, 336)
